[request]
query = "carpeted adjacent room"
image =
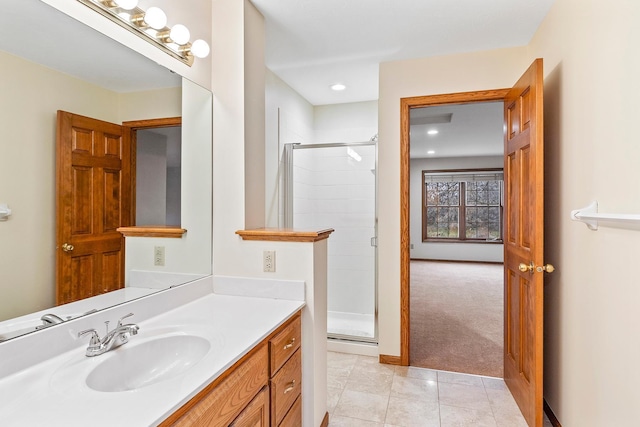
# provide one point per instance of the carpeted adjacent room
(457, 317)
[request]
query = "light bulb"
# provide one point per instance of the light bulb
(126, 4)
(180, 34)
(200, 48)
(155, 18)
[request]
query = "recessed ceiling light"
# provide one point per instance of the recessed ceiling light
(431, 152)
(338, 86)
(432, 132)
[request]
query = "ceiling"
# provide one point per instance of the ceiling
(474, 130)
(312, 44)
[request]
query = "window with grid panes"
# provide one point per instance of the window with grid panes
(463, 205)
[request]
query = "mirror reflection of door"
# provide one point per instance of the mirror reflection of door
(93, 199)
(97, 171)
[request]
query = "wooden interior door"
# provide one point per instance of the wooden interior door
(524, 227)
(93, 199)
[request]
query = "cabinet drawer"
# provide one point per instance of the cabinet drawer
(286, 386)
(294, 416)
(224, 402)
(283, 345)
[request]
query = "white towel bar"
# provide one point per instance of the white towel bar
(590, 216)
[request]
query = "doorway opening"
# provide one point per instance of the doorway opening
(156, 147)
(456, 280)
(407, 105)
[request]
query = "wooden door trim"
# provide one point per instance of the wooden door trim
(406, 104)
(130, 131)
(153, 123)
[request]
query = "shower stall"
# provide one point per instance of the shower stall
(334, 186)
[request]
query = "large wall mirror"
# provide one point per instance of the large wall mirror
(52, 62)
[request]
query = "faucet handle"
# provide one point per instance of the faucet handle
(95, 338)
(122, 318)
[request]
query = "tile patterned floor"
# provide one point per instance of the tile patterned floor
(365, 393)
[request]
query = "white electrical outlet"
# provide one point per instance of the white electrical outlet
(269, 261)
(158, 256)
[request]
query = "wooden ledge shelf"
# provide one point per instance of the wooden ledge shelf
(152, 231)
(284, 234)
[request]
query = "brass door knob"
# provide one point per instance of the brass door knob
(524, 267)
(531, 267)
(548, 268)
(67, 247)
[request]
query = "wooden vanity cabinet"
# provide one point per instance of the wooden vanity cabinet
(262, 389)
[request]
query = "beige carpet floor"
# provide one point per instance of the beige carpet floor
(457, 317)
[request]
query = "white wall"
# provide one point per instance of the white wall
(487, 252)
(592, 153)
(254, 155)
(288, 119)
(151, 178)
(351, 122)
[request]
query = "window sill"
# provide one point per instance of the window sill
(152, 231)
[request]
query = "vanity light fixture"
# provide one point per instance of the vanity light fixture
(151, 25)
(180, 34)
(123, 4)
(154, 17)
(200, 48)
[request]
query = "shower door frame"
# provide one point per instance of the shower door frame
(288, 220)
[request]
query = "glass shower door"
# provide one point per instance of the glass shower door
(334, 186)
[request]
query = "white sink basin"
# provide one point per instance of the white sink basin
(133, 366)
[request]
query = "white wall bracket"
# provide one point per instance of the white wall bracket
(590, 216)
(4, 212)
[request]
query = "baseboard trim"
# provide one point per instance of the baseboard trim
(390, 360)
(325, 420)
(550, 414)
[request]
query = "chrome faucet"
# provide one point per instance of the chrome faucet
(113, 339)
(49, 319)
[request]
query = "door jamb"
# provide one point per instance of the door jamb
(406, 104)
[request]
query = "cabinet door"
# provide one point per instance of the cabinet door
(256, 414)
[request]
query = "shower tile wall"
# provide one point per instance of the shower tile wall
(335, 188)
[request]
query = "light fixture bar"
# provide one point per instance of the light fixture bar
(183, 53)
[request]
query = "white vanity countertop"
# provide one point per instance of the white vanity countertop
(28, 323)
(54, 392)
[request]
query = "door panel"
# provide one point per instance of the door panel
(524, 243)
(93, 199)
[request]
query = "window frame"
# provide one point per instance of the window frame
(461, 208)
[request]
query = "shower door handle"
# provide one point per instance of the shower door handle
(374, 242)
